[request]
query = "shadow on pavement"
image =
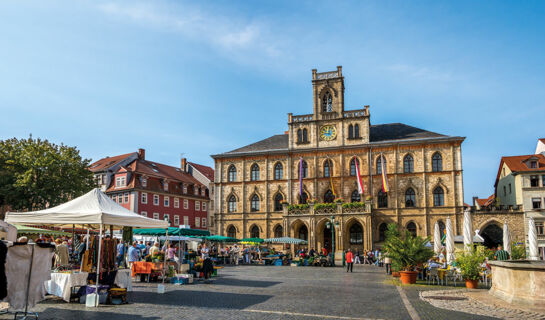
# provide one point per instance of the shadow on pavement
(54, 314)
(205, 299)
(245, 283)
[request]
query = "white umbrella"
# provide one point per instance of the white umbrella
(450, 242)
(468, 231)
(437, 239)
(532, 240)
(506, 238)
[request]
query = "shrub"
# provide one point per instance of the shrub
(470, 262)
(298, 206)
(518, 251)
(406, 250)
(319, 206)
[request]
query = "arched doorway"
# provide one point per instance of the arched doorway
(327, 236)
(355, 236)
(492, 235)
(302, 233)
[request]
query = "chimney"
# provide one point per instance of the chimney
(142, 154)
(476, 204)
(183, 164)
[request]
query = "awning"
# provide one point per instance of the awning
(251, 241)
(30, 230)
(217, 238)
(285, 240)
(172, 231)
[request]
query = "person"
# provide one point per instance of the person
(134, 254)
(207, 266)
(246, 255)
(312, 253)
(153, 251)
(501, 254)
(366, 258)
(23, 239)
(171, 252)
(236, 252)
(379, 258)
(120, 253)
(388, 264)
(205, 252)
(61, 253)
(324, 251)
(357, 257)
(146, 250)
(349, 260)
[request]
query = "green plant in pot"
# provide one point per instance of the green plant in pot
(407, 252)
(470, 263)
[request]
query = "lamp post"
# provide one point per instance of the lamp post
(331, 224)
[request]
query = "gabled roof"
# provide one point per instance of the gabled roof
(105, 163)
(486, 202)
(205, 170)
(518, 164)
(276, 142)
(160, 170)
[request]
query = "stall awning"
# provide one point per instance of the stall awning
(251, 240)
(285, 240)
(216, 238)
(171, 232)
(31, 230)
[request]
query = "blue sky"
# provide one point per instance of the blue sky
(201, 78)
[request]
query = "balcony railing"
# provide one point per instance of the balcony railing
(328, 209)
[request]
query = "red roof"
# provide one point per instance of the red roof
(105, 163)
(486, 202)
(519, 164)
(542, 140)
(207, 171)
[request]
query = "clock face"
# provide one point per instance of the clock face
(328, 133)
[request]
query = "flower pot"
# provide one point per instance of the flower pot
(408, 277)
(472, 284)
(396, 274)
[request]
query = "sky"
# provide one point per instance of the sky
(198, 78)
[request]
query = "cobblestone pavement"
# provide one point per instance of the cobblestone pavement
(258, 292)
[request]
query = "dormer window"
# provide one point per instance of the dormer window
(165, 185)
(533, 164)
(185, 189)
(327, 103)
(144, 182)
(120, 182)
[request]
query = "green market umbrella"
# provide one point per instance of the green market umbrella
(251, 241)
(31, 230)
(216, 238)
(285, 240)
(172, 231)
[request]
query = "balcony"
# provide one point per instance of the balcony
(327, 208)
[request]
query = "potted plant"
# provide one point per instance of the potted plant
(407, 252)
(470, 263)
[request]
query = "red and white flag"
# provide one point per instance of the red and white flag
(358, 176)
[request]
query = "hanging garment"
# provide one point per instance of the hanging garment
(3, 282)
(61, 255)
(18, 263)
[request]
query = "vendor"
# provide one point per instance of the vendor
(153, 251)
(171, 252)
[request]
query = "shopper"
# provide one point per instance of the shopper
(134, 254)
(357, 257)
(120, 253)
(388, 264)
(349, 260)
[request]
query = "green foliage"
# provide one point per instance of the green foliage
(36, 173)
(353, 205)
(470, 262)
(518, 251)
(406, 250)
(489, 253)
(319, 206)
(298, 206)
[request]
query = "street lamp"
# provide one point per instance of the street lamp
(331, 224)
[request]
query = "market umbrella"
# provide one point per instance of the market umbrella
(532, 239)
(468, 231)
(285, 240)
(506, 238)
(216, 238)
(437, 239)
(450, 242)
(251, 241)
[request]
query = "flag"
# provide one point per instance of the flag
(301, 176)
(358, 177)
(331, 177)
(385, 187)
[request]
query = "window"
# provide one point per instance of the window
(305, 135)
(503, 172)
(156, 199)
(504, 191)
(278, 232)
(254, 203)
(185, 188)
(408, 164)
(543, 180)
(144, 182)
(327, 102)
(176, 202)
(203, 222)
(254, 172)
(278, 171)
(539, 229)
(204, 206)
(144, 213)
(186, 204)
(299, 135)
(303, 198)
(166, 217)
(278, 198)
(232, 174)
(254, 232)
(126, 197)
(329, 197)
(379, 164)
(356, 131)
(438, 197)
(510, 189)
(197, 205)
(410, 198)
(120, 182)
(353, 166)
(197, 222)
(156, 215)
(186, 220)
(232, 204)
(536, 203)
(382, 199)
(328, 166)
(166, 201)
(382, 232)
(120, 198)
(436, 162)
(534, 181)
(411, 227)
(114, 197)
(165, 185)
(176, 220)
(350, 132)
(232, 232)
(356, 234)
(144, 198)
(195, 191)
(303, 170)
(355, 197)
(533, 164)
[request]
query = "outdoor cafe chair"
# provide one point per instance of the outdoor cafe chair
(451, 274)
(433, 275)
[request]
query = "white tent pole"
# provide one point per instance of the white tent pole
(165, 255)
(98, 262)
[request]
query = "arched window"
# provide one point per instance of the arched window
(379, 164)
(328, 167)
(408, 164)
(410, 198)
(353, 166)
(305, 135)
(254, 172)
(355, 197)
(442, 228)
(356, 130)
(382, 199)
(254, 203)
(382, 232)
(232, 232)
(356, 234)
(303, 198)
(232, 204)
(299, 135)
(327, 102)
(278, 171)
(304, 169)
(232, 174)
(278, 198)
(350, 131)
(278, 231)
(329, 197)
(438, 197)
(303, 232)
(411, 227)
(436, 162)
(254, 232)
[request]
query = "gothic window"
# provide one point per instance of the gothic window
(379, 164)
(254, 203)
(304, 169)
(329, 197)
(299, 135)
(410, 198)
(350, 131)
(232, 232)
(254, 232)
(382, 232)
(278, 231)
(382, 199)
(353, 166)
(327, 102)
(436, 162)
(411, 227)
(355, 197)
(278, 171)
(303, 198)
(232, 173)
(328, 167)
(356, 130)
(232, 204)
(278, 198)
(408, 164)
(305, 135)
(438, 197)
(356, 234)
(254, 172)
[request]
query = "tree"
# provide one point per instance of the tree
(407, 251)
(36, 174)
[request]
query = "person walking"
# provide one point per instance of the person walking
(134, 254)
(388, 264)
(501, 254)
(357, 257)
(120, 253)
(349, 260)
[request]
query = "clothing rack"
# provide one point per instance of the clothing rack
(26, 315)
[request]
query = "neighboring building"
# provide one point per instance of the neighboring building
(424, 172)
(205, 175)
(540, 148)
(155, 190)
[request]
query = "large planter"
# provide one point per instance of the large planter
(408, 277)
(472, 284)
(396, 274)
